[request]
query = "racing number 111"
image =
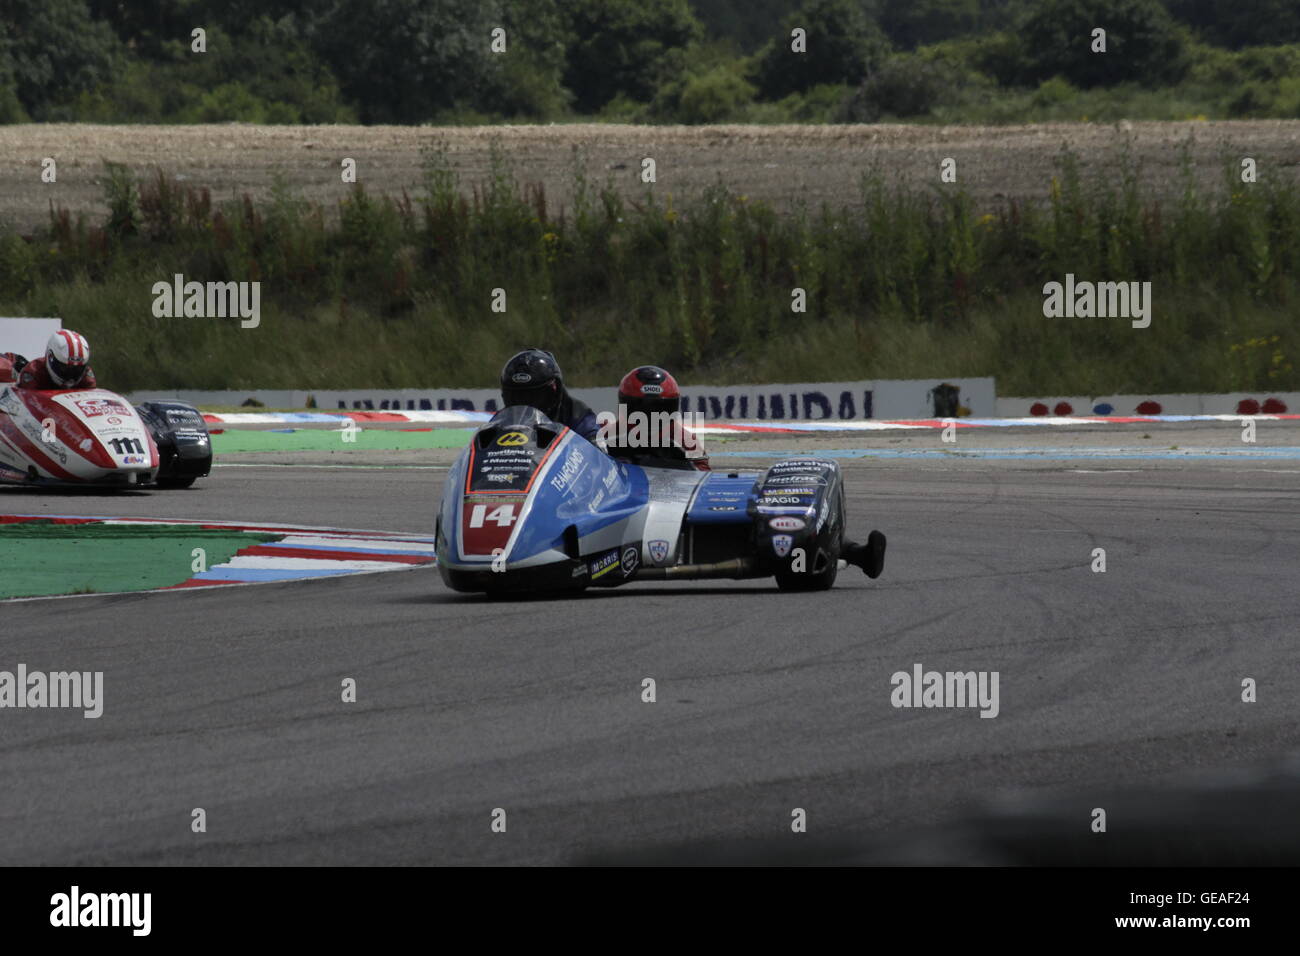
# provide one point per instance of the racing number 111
(127, 446)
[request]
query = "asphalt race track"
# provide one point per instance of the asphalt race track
(229, 699)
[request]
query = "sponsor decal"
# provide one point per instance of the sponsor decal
(509, 456)
(781, 500)
(786, 523)
(513, 438)
(795, 480)
(611, 479)
(821, 517)
(781, 544)
(652, 389)
(658, 551)
(521, 378)
(94, 407)
(579, 571)
(568, 470)
(793, 491)
(814, 465)
(109, 434)
(723, 508)
(630, 561)
(133, 459)
(604, 563)
(503, 465)
(51, 448)
(594, 505)
(113, 420)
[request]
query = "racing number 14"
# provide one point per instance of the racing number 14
(503, 516)
(127, 446)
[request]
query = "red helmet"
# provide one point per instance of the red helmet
(649, 389)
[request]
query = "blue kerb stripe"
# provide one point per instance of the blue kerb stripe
(1057, 454)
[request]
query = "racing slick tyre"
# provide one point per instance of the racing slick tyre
(825, 565)
(875, 554)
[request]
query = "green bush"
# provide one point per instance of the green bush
(820, 104)
(714, 97)
(1236, 24)
(1143, 44)
(1054, 92)
(54, 51)
(625, 46)
(913, 23)
(843, 45)
(18, 261)
(263, 76)
(904, 86)
(999, 56)
(11, 110)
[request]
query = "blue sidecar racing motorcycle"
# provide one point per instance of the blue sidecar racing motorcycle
(530, 505)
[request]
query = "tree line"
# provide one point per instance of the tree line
(670, 61)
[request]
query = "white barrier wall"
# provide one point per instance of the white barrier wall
(802, 401)
(1234, 403)
(27, 337)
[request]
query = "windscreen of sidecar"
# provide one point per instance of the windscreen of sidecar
(527, 421)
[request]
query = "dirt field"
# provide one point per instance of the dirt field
(778, 163)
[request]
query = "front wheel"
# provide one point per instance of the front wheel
(819, 577)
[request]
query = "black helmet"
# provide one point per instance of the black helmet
(533, 377)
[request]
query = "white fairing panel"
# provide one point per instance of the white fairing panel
(84, 435)
(114, 424)
(671, 493)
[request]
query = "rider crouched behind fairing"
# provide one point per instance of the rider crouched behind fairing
(649, 427)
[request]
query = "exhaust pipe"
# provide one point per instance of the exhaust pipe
(735, 568)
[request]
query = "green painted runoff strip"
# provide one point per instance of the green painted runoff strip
(38, 558)
(239, 441)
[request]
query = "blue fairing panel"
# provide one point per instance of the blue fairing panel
(583, 487)
(722, 499)
(447, 513)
